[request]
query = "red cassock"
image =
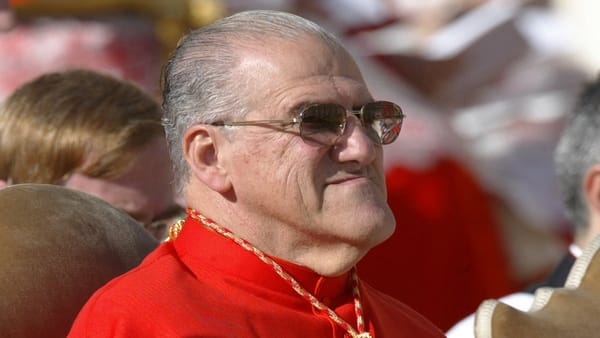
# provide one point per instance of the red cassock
(446, 255)
(205, 285)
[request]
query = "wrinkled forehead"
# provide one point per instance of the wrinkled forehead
(305, 66)
(306, 55)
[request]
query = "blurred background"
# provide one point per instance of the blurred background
(486, 86)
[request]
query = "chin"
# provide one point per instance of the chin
(383, 232)
(373, 231)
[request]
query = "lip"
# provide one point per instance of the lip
(346, 179)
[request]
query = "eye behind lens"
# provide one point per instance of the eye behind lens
(384, 118)
(323, 118)
(324, 123)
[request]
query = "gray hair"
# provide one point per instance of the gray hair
(578, 150)
(198, 83)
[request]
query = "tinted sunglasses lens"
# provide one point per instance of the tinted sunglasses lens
(383, 121)
(323, 123)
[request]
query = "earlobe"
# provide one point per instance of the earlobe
(201, 151)
(3, 184)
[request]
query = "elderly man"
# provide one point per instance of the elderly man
(277, 147)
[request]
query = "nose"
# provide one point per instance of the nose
(355, 144)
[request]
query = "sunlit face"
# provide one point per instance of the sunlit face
(321, 193)
(144, 191)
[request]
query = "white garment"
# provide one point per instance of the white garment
(466, 327)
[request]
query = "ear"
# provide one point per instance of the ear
(591, 191)
(200, 148)
(591, 186)
(3, 183)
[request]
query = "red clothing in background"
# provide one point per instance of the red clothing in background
(202, 284)
(446, 255)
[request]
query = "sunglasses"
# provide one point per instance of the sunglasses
(325, 123)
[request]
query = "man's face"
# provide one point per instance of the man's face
(319, 194)
(144, 191)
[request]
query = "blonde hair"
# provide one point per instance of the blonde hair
(74, 121)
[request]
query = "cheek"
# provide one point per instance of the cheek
(109, 191)
(262, 155)
(286, 171)
(275, 160)
(377, 170)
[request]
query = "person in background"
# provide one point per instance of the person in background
(577, 167)
(58, 246)
(91, 132)
(277, 148)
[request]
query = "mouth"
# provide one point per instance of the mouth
(346, 179)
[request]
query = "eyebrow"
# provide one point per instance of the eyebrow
(295, 110)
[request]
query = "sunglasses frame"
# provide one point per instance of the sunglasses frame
(359, 113)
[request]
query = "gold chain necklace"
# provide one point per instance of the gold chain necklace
(212, 225)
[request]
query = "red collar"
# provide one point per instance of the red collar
(200, 248)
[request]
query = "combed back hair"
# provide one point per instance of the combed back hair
(74, 121)
(198, 81)
(578, 150)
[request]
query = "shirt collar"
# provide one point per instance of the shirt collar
(201, 248)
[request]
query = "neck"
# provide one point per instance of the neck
(327, 261)
(327, 258)
(584, 235)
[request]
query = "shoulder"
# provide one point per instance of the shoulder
(136, 301)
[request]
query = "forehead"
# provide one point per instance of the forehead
(286, 73)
